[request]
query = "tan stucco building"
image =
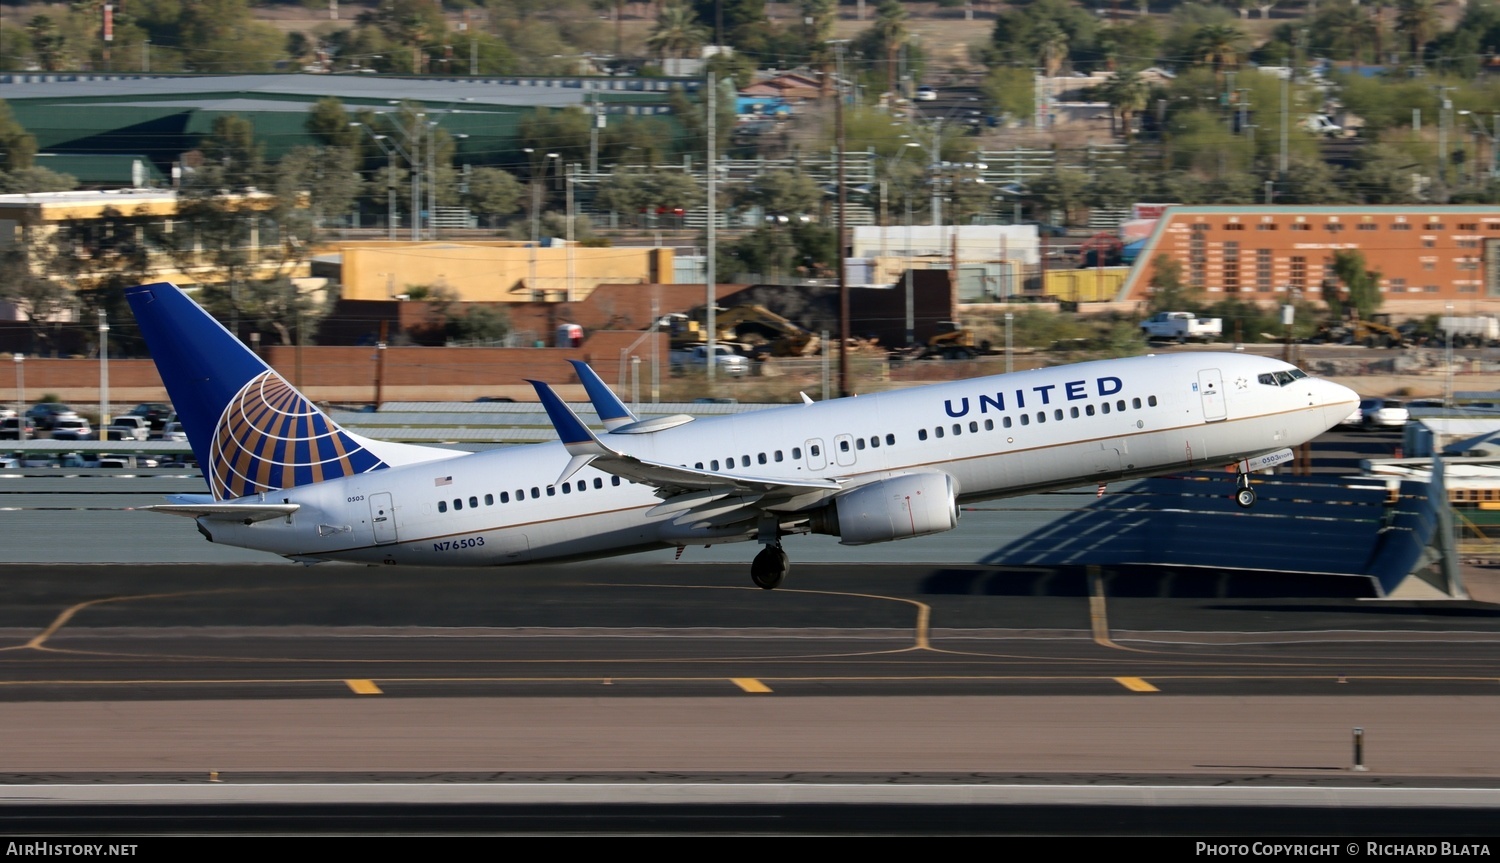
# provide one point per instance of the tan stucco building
(495, 272)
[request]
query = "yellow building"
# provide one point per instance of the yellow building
(34, 218)
(495, 272)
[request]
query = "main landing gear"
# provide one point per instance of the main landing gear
(770, 567)
(1244, 495)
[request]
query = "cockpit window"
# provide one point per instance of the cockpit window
(1281, 379)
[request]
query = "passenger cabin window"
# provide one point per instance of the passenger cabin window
(505, 497)
(796, 453)
(1025, 419)
(921, 434)
(442, 506)
(458, 503)
(489, 500)
(890, 440)
(938, 431)
(1151, 400)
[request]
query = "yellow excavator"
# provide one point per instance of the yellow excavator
(757, 329)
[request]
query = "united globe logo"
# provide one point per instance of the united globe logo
(269, 437)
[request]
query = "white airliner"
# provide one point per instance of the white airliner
(285, 478)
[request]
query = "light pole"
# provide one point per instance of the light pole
(103, 374)
(20, 395)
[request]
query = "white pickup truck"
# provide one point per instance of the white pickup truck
(1181, 327)
(696, 357)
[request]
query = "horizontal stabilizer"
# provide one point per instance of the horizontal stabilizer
(244, 513)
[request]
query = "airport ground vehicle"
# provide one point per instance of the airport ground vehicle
(1181, 327)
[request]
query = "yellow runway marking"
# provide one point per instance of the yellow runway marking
(1135, 684)
(364, 687)
(750, 684)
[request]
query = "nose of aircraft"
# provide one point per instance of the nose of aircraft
(1338, 402)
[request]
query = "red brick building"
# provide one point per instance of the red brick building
(1266, 254)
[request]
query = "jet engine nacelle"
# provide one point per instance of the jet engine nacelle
(911, 505)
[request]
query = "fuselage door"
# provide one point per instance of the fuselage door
(817, 459)
(1211, 390)
(383, 518)
(843, 449)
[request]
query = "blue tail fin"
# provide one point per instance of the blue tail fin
(251, 430)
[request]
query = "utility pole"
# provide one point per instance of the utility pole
(709, 274)
(843, 199)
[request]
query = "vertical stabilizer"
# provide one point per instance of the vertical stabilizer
(250, 430)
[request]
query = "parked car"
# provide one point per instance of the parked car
(173, 431)
(46, 414)
(926, 94)
(11, 428)
(129, 427)
(72, 428)
(156, 414)
(122, 460)
(1383, 413)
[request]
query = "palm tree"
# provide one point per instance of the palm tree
(1418, 18)
(1128, 93)
(677, 32)
(1052, 48)
(1218, 45)
(890, 25)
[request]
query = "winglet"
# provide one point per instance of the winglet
(580, 443)
(607, 405)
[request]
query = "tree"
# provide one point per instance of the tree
(1010, 91)
(632, 192)
(677, 32)
(17, 144)
(890, 28)
(1060, 190)
(233, 148)
(1417, 19)
(784, 193)
(493, 192)
(1128, 93)
(25, 284)
(330, 123)
(1361, 287)
(1169, 293)
(1219, 46)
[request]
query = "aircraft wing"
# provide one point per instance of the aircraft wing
(669, 480)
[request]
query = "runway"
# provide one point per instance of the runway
(653, 695)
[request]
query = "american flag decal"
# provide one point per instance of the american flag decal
(443, 480)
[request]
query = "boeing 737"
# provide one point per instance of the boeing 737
(284, 477)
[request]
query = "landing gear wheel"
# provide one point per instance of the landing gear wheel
(1245, 497)
(769, 568)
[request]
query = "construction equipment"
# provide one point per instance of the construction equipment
(768, 333)
(952, 342)
(757, 329)
(1355, 331)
